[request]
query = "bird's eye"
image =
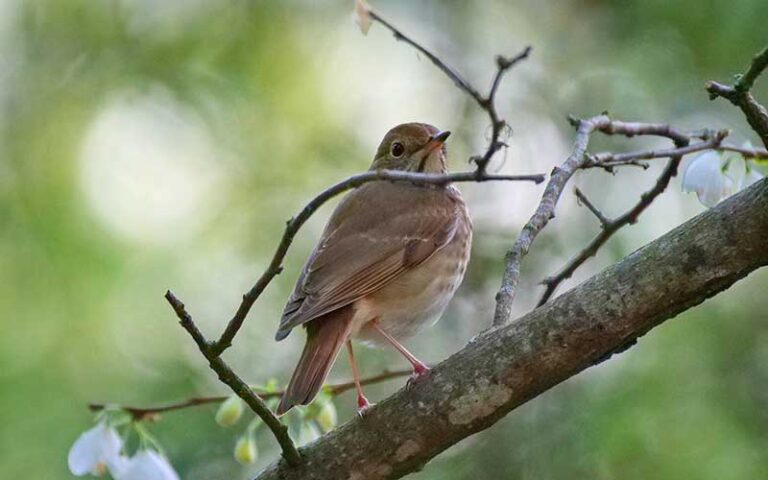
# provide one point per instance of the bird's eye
(397, 150)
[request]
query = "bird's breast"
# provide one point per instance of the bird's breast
(418, 297)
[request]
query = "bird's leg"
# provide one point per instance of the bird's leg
(419, 367)
(362, 403)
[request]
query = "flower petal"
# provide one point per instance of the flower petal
(94, 450)
(704, 175)
(147, 465)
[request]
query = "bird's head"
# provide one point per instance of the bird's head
(412, 147)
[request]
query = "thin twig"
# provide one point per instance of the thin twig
(755, 153)
(543, 214)
(739, 95)
(559, 178)
(604, 221)
(227, 376)
(145, 413)
(756, 67)
(294, 224)
(603, 160)
(448, 71)
(712, 139)
(487, 102)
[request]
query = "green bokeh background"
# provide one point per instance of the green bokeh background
(152, 145)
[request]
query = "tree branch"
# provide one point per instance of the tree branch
(151, 412)
(144, 413)
(543, 214)
(739, 95)
(607, 160)
(604, 221)
(609, 229)
(507, 366)
(559, 178)
(228, 377)
(487, 103)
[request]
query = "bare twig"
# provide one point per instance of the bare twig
(560, 176)
(543, 214)
(227, 376)
(757, 66)
(294, 224)
(754, 153)
(711, 140)
(448, 71)
(487, 102)
(144, 413)
(603, 160)
(739, 95)
(604, 221)
(609, 229)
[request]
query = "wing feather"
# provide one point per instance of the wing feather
(369, 241)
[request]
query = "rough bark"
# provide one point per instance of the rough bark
(509, 365)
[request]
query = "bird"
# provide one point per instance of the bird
(387, 264)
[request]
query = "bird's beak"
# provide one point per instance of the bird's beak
(437, 140)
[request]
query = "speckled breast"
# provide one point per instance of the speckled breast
(419, 297)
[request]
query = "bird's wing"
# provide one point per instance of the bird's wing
(377, 232)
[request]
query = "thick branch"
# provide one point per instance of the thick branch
(294, 224)
(507, 366)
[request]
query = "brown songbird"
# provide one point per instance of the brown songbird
(387, 264)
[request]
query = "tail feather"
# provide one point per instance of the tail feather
(325, 336)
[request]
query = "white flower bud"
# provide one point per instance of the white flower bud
(230, 411)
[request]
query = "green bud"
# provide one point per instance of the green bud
(230, 411)
(245, 450)
(327, 418)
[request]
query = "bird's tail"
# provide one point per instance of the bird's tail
(325, 336)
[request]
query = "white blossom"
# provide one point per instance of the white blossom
(147, 465)
(96, 451)
(705, 175)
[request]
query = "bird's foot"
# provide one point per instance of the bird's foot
(363, 405)
(420, 371)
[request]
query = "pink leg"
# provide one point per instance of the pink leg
(419, 367)
(362, 402)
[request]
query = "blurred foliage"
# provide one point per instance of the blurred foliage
(284, 98)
